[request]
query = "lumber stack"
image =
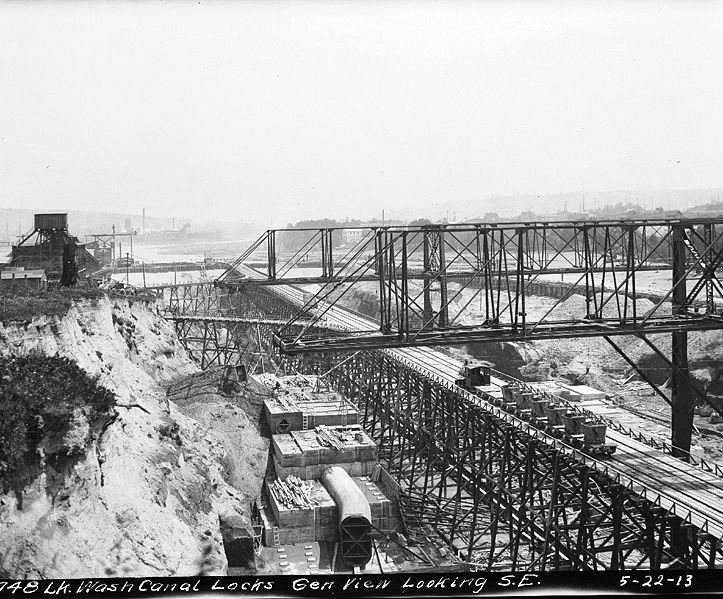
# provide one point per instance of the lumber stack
(293, 492)
(328, 437)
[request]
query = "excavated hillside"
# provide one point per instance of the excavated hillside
(101, 474)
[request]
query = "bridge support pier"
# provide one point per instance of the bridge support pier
(682, 399)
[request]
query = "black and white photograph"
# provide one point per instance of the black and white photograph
(359, 298)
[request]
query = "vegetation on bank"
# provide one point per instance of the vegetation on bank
(22, 304)
(50, 409)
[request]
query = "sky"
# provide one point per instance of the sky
(275, 111)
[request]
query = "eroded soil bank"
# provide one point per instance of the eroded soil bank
(106, 474)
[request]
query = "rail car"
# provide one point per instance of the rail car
(474, 374)
(580, 429)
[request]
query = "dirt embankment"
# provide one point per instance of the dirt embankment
(143, 486)
(234, 416)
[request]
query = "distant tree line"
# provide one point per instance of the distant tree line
(293, 239)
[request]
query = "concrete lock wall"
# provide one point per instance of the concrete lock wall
(312, 471)
(300, 451)
(294, 420)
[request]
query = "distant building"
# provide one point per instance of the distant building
(44, 247)
(10, 277)
(527, 216)
(351, 236)
(103, 249)
(5, 253)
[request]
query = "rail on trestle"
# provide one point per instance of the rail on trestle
(500, 497)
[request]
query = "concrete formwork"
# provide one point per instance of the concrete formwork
(320, 522)
(301, 453)
(294, 412)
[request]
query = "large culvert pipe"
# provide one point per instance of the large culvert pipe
(354, 516)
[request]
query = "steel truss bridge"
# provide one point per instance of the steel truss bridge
(501, 492)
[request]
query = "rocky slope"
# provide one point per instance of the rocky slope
(148, 492)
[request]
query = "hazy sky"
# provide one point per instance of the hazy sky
(261, 110)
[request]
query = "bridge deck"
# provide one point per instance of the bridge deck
(228, 320)
(679, 487)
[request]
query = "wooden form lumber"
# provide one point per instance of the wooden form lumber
(293, 492)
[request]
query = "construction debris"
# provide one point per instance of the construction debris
(333, 437)
(287, 403)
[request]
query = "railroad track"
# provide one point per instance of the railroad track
(228, 319)
(693, 487)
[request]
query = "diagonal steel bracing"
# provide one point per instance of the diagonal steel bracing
(428, 277)
(500, 494)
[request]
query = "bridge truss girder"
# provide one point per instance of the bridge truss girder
(548, 246)
(500, 265)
